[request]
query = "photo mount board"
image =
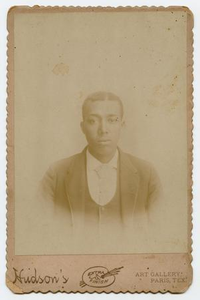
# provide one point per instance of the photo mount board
(54, 269)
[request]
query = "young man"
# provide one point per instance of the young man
(102, 188)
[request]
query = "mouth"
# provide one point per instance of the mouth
(106, 141)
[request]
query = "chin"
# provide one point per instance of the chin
(104, 149)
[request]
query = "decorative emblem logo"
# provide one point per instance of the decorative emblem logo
(99, 277)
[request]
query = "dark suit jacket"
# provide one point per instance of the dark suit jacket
(65, 184)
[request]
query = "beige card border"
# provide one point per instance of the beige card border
(68, 273)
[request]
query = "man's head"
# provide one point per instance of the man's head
(102, 121)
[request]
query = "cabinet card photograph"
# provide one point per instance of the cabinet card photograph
(99, 146)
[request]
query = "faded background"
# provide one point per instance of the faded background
(59, 60)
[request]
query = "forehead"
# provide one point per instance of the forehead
(104, 107)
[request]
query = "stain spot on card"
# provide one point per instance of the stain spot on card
(165, 96)
(174, 104)
(61, 69)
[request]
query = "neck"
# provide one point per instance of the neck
(104, 158)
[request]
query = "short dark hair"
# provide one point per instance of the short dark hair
(101, 96)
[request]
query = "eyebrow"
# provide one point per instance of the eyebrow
(93, 115)
(109, 115)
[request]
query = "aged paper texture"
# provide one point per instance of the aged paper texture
(99, 149)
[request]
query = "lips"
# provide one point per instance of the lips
(103, 141)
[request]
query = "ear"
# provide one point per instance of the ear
(123, 123)
(82, 127)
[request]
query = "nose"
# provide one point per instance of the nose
(103, 127)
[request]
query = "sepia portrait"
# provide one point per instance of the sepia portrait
(100, 119)
(102, 191)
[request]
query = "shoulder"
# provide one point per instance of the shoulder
(63, 165)
(146, 171)
(143, 168)
(135, 162)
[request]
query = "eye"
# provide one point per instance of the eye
(113, 119)
(91, 121)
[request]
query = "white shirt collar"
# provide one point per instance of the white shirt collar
(93, 163)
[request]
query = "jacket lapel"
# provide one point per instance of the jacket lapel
(129, 186)
(75, 188)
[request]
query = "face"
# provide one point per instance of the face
(102, 125)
